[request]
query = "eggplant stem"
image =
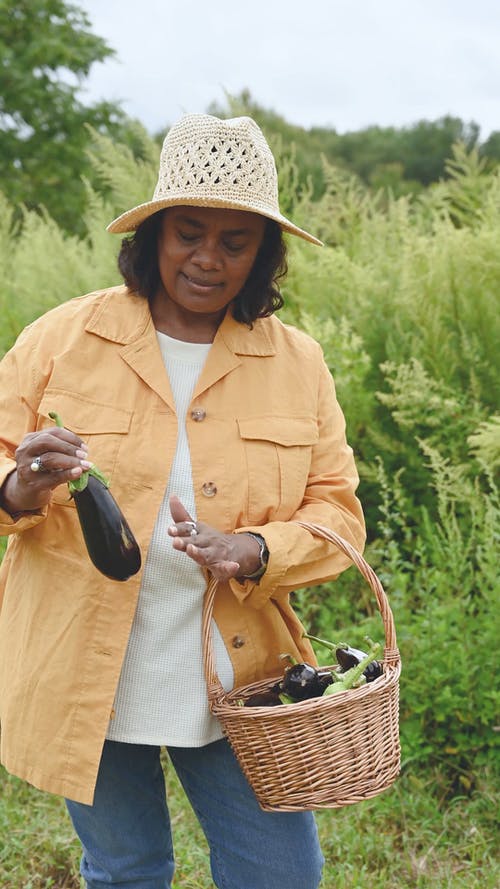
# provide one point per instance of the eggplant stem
(79, 484)
(290, 658)
(332, 646)
(57, 420)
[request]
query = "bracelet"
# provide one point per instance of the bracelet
(263, 555)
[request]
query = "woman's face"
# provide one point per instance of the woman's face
(204, 258)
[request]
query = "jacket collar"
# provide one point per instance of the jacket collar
(242, 341)
(123, 317)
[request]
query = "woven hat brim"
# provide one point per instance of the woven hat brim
(129, 221)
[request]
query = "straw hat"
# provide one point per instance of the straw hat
(208, 162)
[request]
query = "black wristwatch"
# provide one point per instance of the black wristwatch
(264, 557)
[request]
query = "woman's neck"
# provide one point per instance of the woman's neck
(189, 327)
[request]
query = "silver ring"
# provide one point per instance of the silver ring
(37, 465)
(194, 530)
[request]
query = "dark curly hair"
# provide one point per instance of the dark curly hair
(260, 295)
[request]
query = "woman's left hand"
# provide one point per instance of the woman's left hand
(225, 555)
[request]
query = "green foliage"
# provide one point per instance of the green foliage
(444, 588)
(421, 293)
(124, 174)
(46, 51)
(485, 441)
(43, 265)
(405, 304)
(71, 266)
(491, 148)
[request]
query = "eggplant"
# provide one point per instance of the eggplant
(302, 681)
(354, 676)
(269, 698)
(110, 543)
(348, 657)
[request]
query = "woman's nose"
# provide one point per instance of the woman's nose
(207, 256)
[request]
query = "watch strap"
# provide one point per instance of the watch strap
(264, 557)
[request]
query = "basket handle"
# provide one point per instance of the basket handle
(391, 652)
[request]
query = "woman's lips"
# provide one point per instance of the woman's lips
(201, 286)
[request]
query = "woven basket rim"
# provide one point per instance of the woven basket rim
(227, 704)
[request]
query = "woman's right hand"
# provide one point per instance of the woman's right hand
(62, 457)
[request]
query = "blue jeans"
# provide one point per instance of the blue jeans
(126, 835)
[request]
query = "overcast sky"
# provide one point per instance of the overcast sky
(344, 64)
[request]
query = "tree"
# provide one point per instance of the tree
(491, 148)
(421, 149)
(427, 145)
(46, 51)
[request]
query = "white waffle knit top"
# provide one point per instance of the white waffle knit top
(161, 697)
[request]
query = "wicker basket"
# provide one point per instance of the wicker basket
(326, 752)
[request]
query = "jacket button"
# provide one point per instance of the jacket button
(198, 414)
(209, 489)
(238, 641)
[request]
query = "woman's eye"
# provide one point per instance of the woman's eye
(188, 239)
(233, 248)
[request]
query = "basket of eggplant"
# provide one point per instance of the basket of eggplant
(313, 738)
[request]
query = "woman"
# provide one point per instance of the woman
(219, 429)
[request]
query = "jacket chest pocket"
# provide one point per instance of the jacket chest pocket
(102, 427)
(277, 456)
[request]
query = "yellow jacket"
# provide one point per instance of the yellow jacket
(267, 443)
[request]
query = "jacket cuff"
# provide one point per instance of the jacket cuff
(21, 521)
(257, 592)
